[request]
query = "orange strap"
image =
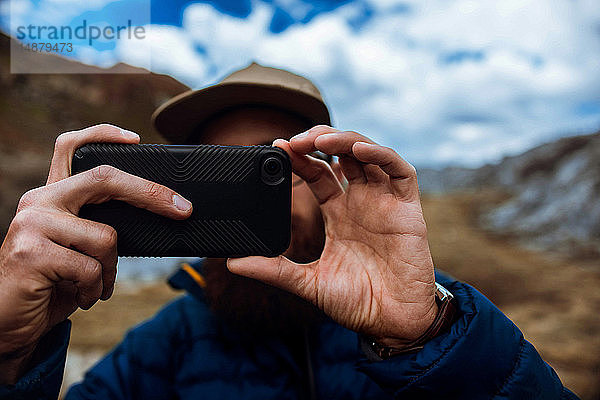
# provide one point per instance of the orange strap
(199, 279)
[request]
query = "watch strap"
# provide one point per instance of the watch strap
(447, 312)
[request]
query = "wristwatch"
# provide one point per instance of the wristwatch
(447, 312)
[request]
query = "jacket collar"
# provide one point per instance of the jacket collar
(189, 278)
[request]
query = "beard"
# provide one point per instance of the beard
(253, 307)
(260, 310)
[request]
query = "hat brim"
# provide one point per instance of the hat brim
(178, 118)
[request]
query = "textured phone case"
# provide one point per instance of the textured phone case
(235, 211)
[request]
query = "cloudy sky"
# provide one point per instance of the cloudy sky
(460, 82)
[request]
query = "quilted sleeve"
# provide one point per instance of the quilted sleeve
(44, 378)
(484, 355)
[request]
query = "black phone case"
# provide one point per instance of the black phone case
(236, 212)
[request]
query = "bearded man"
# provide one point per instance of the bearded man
(352, 310)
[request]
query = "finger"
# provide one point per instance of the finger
(352, 170)
(339, 143)
(92, 238)
(277, 271)
(316, 173)
(67, 143)
(62, 264)
(402, 175)
(105, 182)
(65, 302)
(374, 174)
(303, 143)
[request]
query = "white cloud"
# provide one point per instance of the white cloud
(164, 49)
(468, 132)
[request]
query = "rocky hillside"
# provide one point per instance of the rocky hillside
(555, 192)
(35, 108)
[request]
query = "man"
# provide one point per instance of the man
(352, 310)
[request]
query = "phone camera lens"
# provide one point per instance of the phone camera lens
(272, 170)
(272, 166)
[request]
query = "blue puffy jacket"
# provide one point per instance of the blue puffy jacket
(185, 353)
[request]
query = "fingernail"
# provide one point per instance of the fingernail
(181, 203)
(366, 144)
(129, 134)
(301, 135)
(233, 263)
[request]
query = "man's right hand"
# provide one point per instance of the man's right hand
(52, 261)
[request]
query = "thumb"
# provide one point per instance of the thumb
(277, 271)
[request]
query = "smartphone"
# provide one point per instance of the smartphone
(241, 198)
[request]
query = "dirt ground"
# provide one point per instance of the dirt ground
(554, 301)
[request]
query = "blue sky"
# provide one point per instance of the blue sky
(460, 82)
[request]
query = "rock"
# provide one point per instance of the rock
(555, 190)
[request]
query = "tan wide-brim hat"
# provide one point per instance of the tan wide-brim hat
(254, 85)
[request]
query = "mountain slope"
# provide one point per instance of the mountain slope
(35, 108)
(555, 189)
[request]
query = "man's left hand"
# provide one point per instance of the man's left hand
(375, 275)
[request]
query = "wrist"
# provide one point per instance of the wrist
(444, 318)
(426, 322)
(13, 365)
